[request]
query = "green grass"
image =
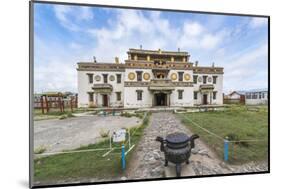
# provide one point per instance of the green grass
(55, 114)
(85, 165)
(236, 123)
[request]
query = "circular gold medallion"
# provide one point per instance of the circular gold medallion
(146, 76)
(174, 76)
(187, 77)
(131, 76)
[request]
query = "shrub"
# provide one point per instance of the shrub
(40, 150)
(235, 137)
(63, 117)
(69, 114)
(103, 133)
(126, 114)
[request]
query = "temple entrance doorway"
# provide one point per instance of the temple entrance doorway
(160, 99)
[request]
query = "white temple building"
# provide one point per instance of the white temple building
(149, 78)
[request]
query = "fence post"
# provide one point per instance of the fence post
(71, 104)
(226, 142)
(123, 157)
(42, 104)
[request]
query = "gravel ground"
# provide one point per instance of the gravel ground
(57, 135)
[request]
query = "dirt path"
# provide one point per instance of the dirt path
(148, 162)
(57, 135)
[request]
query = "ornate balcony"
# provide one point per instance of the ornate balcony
(206, 87)
(102, 88)
(161, 84)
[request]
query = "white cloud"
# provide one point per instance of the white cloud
(75, 46)
(249, 57)
(69, 16)
(192, 29)
(55, 65)
(55, 76)
(131, 29)
(195, 35)
(247, 70)
(258, 22)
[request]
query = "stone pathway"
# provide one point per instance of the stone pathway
(148, 161)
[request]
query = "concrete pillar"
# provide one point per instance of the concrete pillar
(169, 99)
(96, 94)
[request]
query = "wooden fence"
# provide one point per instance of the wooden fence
(46, 103)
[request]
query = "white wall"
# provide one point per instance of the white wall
(255, 101)
(218, 87)
(187, 97)
(84, 87)
(130, 97)
(250, 101)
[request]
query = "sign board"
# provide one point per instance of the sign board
(119, 136)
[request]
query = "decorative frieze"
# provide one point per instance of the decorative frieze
(207, 70)
(154, 83)
(89, 66)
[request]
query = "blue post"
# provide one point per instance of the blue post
(123, 157)
(104, 113)
(113, 112)
(226, 150)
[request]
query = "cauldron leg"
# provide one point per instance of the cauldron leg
(166, 163)
(178, 170)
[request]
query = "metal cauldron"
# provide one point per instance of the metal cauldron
(177, 149)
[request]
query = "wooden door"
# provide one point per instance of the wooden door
(104, 100)
(205, 99)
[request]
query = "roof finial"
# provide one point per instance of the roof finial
(213, 64)
(94, 59)
(140, 46)
(116, 60)
(179, 49)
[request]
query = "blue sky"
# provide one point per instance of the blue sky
(65, 35)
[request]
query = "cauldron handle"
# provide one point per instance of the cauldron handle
(160, 139)
(192, 138)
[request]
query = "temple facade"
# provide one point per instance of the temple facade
(149, 78)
